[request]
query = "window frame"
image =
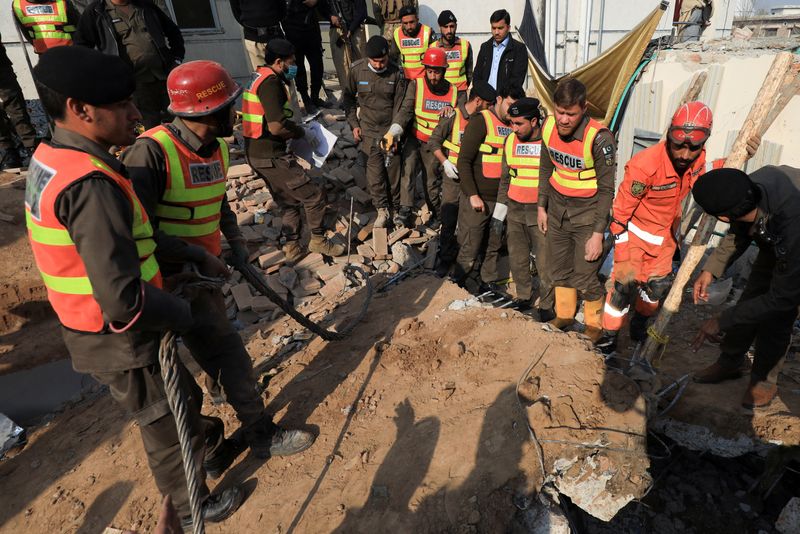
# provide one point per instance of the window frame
(217, 29)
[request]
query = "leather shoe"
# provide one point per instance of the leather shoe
(280, 442)
(217, 507)
(716, 373)
(759, 394)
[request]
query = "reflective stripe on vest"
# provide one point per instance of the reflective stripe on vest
(492, 146)
(190, 206)
(253, 110)
(574, 171)
(428, 106)
(411, 51)
(522, 160)
(45, 23)
(69, 289)
(453, 143)
(456, 72)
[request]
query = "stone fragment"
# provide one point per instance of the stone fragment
(365, 250)
(242, 296)
(287, 277)
(334, 286)
(380, 242)
(245, 219)
(359, 195)
(237, 171)
(261, 304)
(397, 235)
(273, 257)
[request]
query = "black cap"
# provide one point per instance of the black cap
(280, 47)
(377, 47)
(446, 17)
(525, 107)
(407, 10)
(85, 74)
(483, 90)
(725, 192)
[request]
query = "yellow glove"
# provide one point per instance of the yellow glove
(387, 142)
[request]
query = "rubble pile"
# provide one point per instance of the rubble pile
(316, 279)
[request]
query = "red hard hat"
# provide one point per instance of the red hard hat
(435, 57)
(200, 88)
(691, 124)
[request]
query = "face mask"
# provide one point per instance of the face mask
(376, 71)
(291, 72)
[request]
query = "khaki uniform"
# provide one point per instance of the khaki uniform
(372, 102)
(137, 46)
(524, 239)
(474, 225)
(451, 192)
(571, 221)
(287, 181)
(128, 362)
(213, 342)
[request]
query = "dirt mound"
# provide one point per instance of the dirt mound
(419, 430)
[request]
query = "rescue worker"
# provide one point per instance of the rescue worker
(447, 137)
(372, 98)
(516, 204)
(347, 35)
(46, 23)
(267, 125)
(458, 50)
(93, 243)
(426, 100)
(480, 162)
(388, 14)
(14, 117)
(646, 218)
(576, 188)
(178, 171)
(763, 208)
(409, 43)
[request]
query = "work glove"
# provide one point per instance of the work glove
(239, 253)
(498, 216)
(390, 137)
(450, 170)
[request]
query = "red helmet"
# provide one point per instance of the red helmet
(691, 124)
(200, 88)
(435, 57)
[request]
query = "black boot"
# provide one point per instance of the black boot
(546, 315)
(216, 465)
(607, 345)
(402, 218)
(217, 507)
(9, 159)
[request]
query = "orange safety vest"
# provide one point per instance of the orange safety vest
(190, 206)
(253, 110)
(69, 289)
(453, 143)
(411, 50)
(456, 72)
(46, 23)
(428, 106)
(493, 143)
(522, 160)
(574, 172)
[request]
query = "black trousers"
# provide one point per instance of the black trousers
(13, 113)
(772, 335)
(307, 45)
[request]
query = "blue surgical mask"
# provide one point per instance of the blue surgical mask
(291, 72)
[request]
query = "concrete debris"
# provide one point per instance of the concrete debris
(789, 520)
(701, 438)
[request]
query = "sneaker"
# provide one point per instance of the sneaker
(323, 245)
(293, 252)
(217, 508)
(382, 221)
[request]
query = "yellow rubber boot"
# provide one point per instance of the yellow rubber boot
(566, 306)
(593, 319)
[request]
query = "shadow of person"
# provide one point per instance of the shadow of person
(49, 455)
(105, 507)
(398, 477)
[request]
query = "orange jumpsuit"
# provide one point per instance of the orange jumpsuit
(645, 220)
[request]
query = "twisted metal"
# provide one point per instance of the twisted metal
(168, 358)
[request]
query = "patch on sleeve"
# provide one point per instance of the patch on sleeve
(637, 188)
(39, 176)
(608, 154)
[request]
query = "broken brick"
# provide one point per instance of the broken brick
(242, 296)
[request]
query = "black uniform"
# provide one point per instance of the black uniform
(767, 309)
(302, 30)
(13, 115)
